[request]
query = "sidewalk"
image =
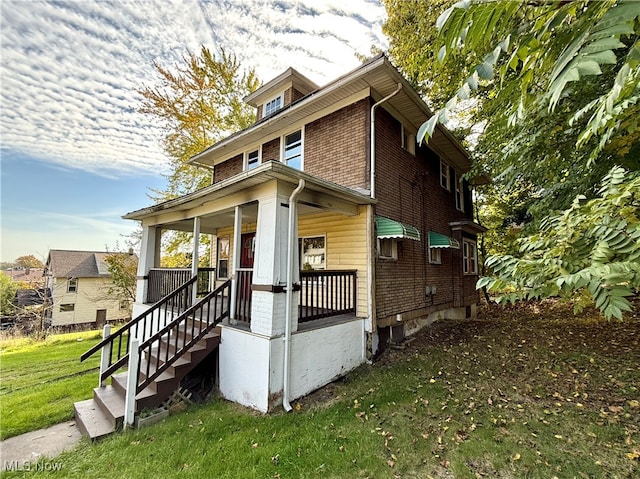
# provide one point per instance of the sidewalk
(33, 446)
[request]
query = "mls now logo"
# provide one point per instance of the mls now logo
(32, 466)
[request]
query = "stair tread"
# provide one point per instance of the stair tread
(121, 379)
(111, 400)
(91, 419)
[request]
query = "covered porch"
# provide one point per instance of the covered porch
(250, 218)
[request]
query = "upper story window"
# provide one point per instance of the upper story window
(469, 257)
(459, 193)
(72, 285)
(292, 153)
(273, 105)
(408, 141)
(251, 160)
(445, 179)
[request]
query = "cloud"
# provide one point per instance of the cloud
(70, 70)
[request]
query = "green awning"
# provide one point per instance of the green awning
(437, 240)
(388, 228)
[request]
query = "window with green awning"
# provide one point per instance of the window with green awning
(390, 229)
(437, 240)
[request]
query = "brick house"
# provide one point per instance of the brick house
(333, 231)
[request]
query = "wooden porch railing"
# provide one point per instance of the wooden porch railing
(244, 280)
(142, 327)
(163, 281)
(177, 337)
(325, 293)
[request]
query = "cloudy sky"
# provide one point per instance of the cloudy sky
(75, 154)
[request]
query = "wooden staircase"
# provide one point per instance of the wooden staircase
(166, 356)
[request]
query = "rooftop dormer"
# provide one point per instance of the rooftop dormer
(283, 90)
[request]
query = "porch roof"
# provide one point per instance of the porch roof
(263, 173)
(377, 78)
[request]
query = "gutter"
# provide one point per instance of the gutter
(291, 245)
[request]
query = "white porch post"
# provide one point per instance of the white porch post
(132, 384)
(149, 256)
(104, 354)
(268, 300)
(195, 256)
(237, 248)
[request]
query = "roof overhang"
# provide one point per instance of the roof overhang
(467, 226)
(317, 193)
(377, 78)
(387, 228)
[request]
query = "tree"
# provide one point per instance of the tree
(123, 268)
(29, 261)
(8, 289)
(569, 68)
(198, 103)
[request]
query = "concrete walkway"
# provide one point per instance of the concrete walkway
(36, 445)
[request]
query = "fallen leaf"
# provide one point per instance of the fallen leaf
(515, 457)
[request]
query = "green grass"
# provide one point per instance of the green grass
(493, 398)
(42, 379)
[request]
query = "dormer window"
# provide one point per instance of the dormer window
(273, 105)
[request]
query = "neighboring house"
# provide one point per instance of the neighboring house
(77, 282)
(333, 230)
(31, 283)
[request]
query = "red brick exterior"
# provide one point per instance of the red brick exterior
(336, 147)
(408, 190)
(228, 169)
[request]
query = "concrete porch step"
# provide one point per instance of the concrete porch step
(92, 420)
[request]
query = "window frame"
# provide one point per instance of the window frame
(444, 175)
(459, 191)
(407, 140)
(68, 307)
(226, 257)
(271, 111)
(245, 161)
(324, 263)
(394, 249)
(72, 285)
(283, 148)
(437, 252)
(469, 258)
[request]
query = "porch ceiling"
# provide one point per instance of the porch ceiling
(380, 78)
(236, 191)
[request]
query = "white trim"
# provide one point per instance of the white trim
(245, 158)
(447, 177)
(466, 256)
(283, 146)
(394, 248)
(459, 191)
(279, 96)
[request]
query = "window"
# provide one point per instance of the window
(65, 308)
(292, 155)
(72, 285)
(445, 181)
(272, 106)
(408, 141)
(313, 253)
(387, 248)
(124, 304)
(435, 255)
(459, 193)
(223, 257)
(469, 257)
(252, 159)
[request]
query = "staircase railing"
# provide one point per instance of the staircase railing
(142, 327)
(177, 337)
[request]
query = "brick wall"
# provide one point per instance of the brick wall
(228, 168)
(408, 190)
(336, 146)
(271, 150)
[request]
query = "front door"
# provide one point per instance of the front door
(244, 276)
(101, 318)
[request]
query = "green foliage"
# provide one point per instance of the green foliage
(8, 289)
(198, 103)
(592, 247)
(123, 268)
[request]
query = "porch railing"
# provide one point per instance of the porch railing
(177, 337)
(244, 280)
(325, 293)
(163, 281)
(142, 327)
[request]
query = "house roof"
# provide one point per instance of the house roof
(290, 77)
(376, 77)
(77, 264)
(25, 275)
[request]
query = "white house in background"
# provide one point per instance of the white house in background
(77, 284)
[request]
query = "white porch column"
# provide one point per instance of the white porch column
(270, 268)
(149, 257)
(235, 258)
(195, 256)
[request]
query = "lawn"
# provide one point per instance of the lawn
(42, 379)
(517, 393)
